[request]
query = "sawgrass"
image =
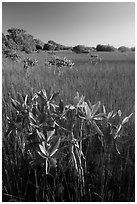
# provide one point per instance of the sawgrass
(112, 82)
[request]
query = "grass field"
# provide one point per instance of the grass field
(112, 82)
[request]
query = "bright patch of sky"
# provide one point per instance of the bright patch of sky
(73, 23)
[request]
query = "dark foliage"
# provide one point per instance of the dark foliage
(39, 44)
(18, 39)
(38, 47)
(48, 46)
(105, 48)
(123, 49)
(81, 49)
(133, 49)
(51, 45)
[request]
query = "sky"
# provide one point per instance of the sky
(73, 23)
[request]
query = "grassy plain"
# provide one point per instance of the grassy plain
(112, 81)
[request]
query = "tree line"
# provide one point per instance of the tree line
(19, 39)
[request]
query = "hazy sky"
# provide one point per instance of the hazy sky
(72, 23)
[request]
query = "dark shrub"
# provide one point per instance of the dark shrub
(58, 46)
(52, 42)
(105, 48)
(39, 44)
(123, 49)
(80, 49)
(38, 47)
(48, 46)
(67, 48)
(133, 49)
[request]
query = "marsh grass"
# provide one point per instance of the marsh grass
(107, 178)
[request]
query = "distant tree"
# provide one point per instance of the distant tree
(39, 44)
(49, 46)
(26, 48)
(20, 40)
(8, 42)
(38, 47)
(14, 32)
(93, 49)
(123, 49)
(52, 42)
(133, 49)
(12, 44)
(57, 46)
(30, 41)
(105, 48)
(81, 49)
(67, 48)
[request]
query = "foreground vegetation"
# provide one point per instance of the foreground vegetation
(67, 143)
